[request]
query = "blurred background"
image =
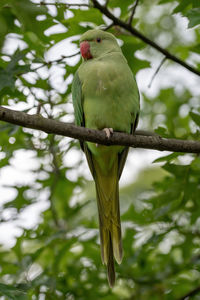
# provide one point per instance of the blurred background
(48, 216)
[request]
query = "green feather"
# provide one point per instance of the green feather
(77, 100)
(105, 95)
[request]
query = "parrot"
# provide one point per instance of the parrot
(105, 97)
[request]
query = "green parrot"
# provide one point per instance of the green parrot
(105, 97)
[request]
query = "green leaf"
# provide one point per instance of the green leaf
(6, 80)
(59, 255)
(161, 131)
(9, 75)
(182, 6)
(168, 158)
(90, 15)
(129, 48)
(21, 201)
(26, 12)
(140, 217)
(194, 17)
(195, 48)
(177, 170)
(124, 6)
(12, 292)
(195, 117)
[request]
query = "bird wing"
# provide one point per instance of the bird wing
(123, 155)
(77, 98)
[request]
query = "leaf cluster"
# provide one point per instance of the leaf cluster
(59, 257)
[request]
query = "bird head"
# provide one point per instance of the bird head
(95, 43)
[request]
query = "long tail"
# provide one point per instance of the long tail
(107, 189)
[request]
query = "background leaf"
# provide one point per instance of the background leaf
(47, 197)
(194, 17)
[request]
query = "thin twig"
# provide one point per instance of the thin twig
(39, 108)
(106, 3)
(56, 173)
(95, 136)
(109, 26)
(63, 4)
(133, 12)
(56, 61)
(156, 72)
(142, 37)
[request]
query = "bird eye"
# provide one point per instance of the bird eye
(98, 40)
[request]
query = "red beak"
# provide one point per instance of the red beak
(85, 50)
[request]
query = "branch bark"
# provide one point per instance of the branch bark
(138, 140)
(191, 293)
(62, 4)
(142, 37)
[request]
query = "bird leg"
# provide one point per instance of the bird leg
(108, 131)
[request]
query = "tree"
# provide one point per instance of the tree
(59, 258)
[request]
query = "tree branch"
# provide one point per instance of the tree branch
(85, 134)
(191, 293)
(142, 37)
(133, 12)
(156, 72)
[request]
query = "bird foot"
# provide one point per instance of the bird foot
(108, 131)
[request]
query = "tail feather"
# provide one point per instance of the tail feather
(107, 189)
(111, 264)
(117, 244)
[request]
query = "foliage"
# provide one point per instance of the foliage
(59, 258)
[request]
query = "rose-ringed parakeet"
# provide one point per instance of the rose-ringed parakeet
(105, 97)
